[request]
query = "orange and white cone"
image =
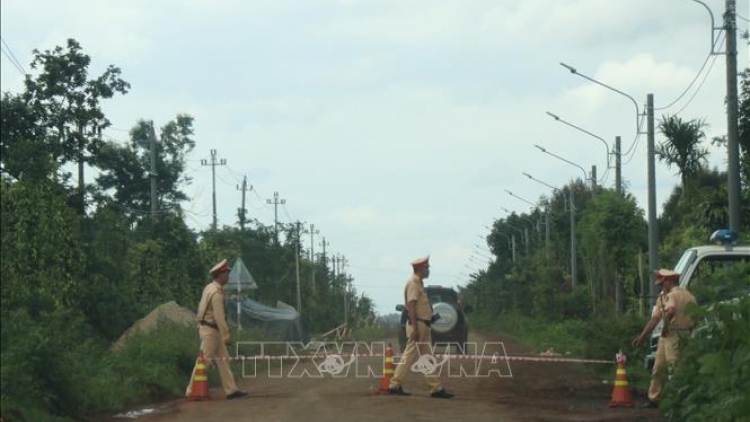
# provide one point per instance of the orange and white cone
(199, 382)
(388, 369)
(621, 393)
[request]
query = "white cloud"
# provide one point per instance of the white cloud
(394, 126)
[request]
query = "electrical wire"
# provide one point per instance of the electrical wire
(705, 76)
(630, 153)
(12, 57)
(13, 63)
(695, 78)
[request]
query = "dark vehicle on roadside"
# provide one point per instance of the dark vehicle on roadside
(452, 326)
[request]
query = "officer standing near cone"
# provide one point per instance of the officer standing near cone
(669, 308)
(418, 332)
(214, 331)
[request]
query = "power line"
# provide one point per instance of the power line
(705, 76)
(12, 57)
(630, 153)
(695, 78)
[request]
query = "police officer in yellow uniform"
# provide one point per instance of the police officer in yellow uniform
(418, 332)
(214, 332)
(669, 308)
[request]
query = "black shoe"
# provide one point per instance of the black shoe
(398, 391)
(237, 395)
(441, 394)
(651, 405)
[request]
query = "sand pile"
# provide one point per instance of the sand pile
(169, 311)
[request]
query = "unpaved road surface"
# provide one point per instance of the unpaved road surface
(536, 391)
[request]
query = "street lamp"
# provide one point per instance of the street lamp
(533, 224)
(574, 71)
(585, 177)
(653, 229)
(511, 242)
(524, 233)
(616, 152)
(569, 199)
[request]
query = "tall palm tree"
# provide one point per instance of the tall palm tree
(682, 147)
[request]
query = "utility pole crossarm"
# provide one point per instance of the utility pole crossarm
(276, 201)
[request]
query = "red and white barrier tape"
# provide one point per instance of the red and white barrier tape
(457, 357)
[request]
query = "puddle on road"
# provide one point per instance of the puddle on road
(133, 414)
(146, 411)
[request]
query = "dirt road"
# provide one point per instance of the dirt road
(535, 392)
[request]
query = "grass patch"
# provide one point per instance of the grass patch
(601, 337)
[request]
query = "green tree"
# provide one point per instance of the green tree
(612, 234)
(42, 261)
(68, 104)
(24, 152)
(744, 127)
(126, 169)
(682, 146)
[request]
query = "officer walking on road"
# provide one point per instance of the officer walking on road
(669, 308)
(214, 331)
(418, 332)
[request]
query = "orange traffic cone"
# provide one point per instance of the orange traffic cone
(621, 393)
(199, 382)
(388, 369)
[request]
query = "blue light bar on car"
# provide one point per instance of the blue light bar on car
(724, 237)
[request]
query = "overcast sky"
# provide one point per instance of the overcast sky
(393, 126)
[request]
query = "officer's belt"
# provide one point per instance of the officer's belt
(209, 324)
(426, 321)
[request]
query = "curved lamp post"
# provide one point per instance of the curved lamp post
(511, 242)
(653, 229)
(616, 152)
(585, 177)
(525, 230)
(569, 199)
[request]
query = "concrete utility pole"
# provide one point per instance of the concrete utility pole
(298, 239)
(593, 181)
(569, 203)
(152, 174)
(242, 210)
(313, 232)
(653, 228)
(733, 152)
(324, 244)
(213, 163)
(514, 237)
(276, 201)
(618, 167)
(616, 152)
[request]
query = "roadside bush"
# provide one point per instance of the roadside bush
(368, 334)
(712, 378)
(601, 337)
(151, 366)
(47, 364)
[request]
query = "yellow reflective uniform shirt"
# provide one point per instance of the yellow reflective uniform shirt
(414, 291)
(676, 299)
(211, 308)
